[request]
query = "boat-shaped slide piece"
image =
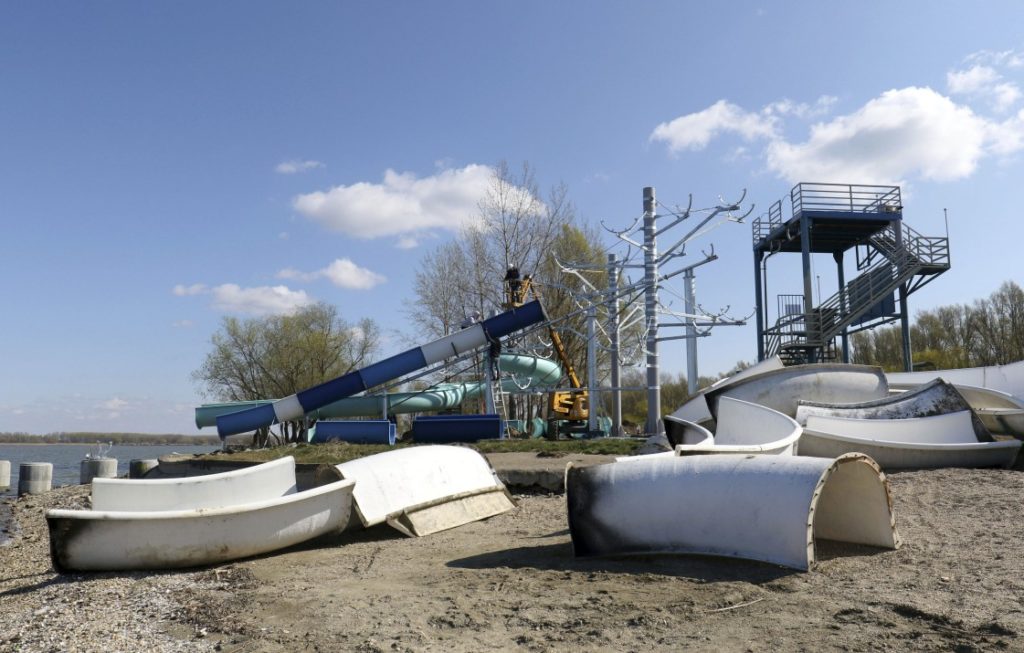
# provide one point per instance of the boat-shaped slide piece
(917, 443)
(99, 540)
(253, 484)
(934, 398)
(742, 428)
(425, 489)
(767, 508)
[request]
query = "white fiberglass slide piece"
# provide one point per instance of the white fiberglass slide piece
(767, 508)
(783, 389)
(934, 398)
(425, 489)
(743, 427)
(681, 431)
(1000, 412)
(916, 446)
(696, 409)
(253, 484)
(100, 540)
(1007, 378)
(950, 428)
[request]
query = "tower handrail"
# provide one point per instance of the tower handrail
(845, 198)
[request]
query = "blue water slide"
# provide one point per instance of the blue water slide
(312, 399)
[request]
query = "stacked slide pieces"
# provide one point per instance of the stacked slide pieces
(767, 508)
(397, 366)
(356, 431)
(423, 490)
(918, 443)
(934, 398)
(782, 389)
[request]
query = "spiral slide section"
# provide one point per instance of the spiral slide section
(397, 366)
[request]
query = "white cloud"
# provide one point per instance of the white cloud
(402, 204)
(342, 273)
(183, 291)
(407, 242)
(1007, 58)
(822, 106)
(261, 300)
(985, 83)
(904, 132)
(294, 167)
(695, 130)
(114, 404)
(182, 324)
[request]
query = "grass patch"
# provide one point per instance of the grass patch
(339, 452)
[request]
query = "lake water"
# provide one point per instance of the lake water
(67, 458)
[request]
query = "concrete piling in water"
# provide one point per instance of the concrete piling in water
(139, 467)
(101, 467)
(34, 478)
(5, 474)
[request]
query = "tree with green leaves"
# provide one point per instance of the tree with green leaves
(989, 331)
(279, 355)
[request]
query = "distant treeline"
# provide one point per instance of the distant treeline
(113, 438)
(987, 332)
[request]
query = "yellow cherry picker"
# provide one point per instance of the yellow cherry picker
(563, 405)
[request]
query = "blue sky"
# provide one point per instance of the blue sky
(165, 164)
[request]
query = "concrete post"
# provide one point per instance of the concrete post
(34, 478)
(139, 467)
(97, 467)
(5, 474)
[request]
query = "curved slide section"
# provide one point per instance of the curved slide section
(397, 366)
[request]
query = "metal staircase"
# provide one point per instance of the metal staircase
(889, 254)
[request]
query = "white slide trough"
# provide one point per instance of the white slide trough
(1007, 378)
(1000, 412)
(933, 398)
(253, 484)
(743, 427)
(97, 540)
(767, 508)
(918, 443)
(425, 489)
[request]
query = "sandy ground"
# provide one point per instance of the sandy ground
(511, 583)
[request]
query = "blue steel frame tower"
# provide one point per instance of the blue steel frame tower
(893, 261)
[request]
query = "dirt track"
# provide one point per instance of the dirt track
(512, 583)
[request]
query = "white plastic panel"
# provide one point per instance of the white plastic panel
(393, 481)
(254, 484)
(764, 508)
(950, 428)
(90, 540)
